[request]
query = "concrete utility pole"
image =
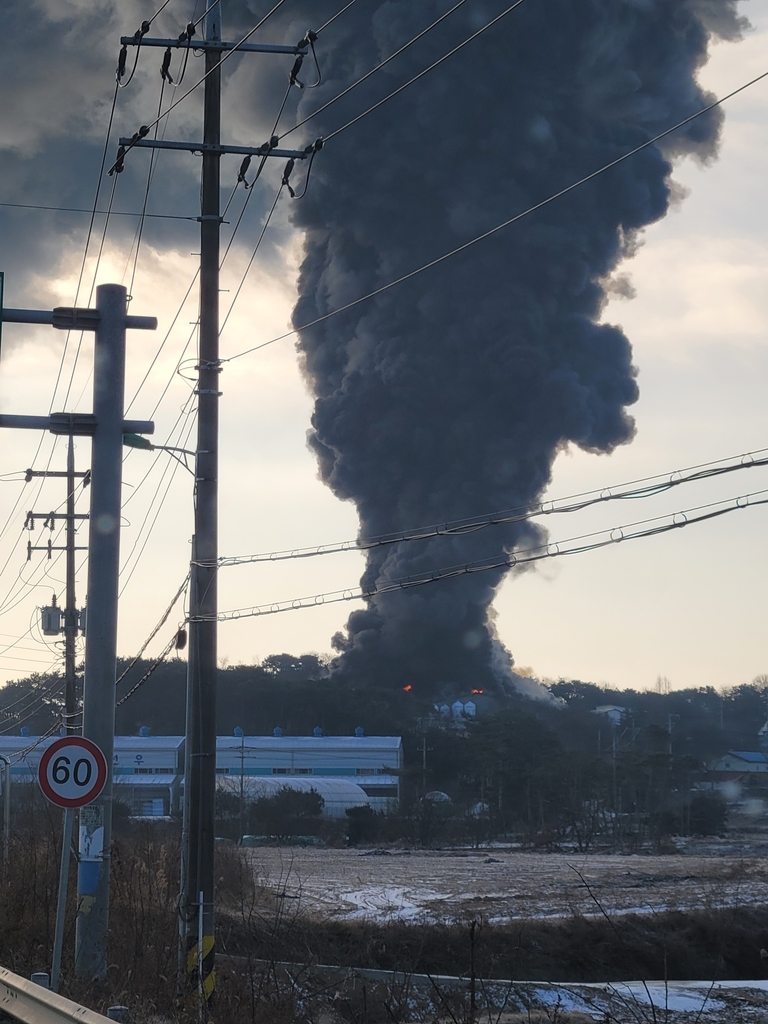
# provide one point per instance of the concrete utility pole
(106, 426)
(197, 873)
(101, 634)
(6, 761)
(71, 626)
(200, 789)
(71, 615)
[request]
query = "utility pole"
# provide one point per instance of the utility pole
(71, 617)
(71, 626)
(197, 952)
(6, 762)
(101, 634)
(106, 426)
(200, 788)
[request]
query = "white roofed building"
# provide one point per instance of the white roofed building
(148, 771)
(339, 795)
(372, 763)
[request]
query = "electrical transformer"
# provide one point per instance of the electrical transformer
(51, 620)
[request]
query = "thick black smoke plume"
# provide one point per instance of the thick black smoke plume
(451, 395)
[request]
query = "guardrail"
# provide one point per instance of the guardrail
(27, 1001)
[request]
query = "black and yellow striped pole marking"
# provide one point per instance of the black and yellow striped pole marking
(200, 968)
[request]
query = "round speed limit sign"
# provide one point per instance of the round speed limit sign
(72, 772)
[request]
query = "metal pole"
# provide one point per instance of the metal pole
(61, 903)
(101, 637)
(242, 786)
(6, 814)
(70, 700)
(70, 611)
(185, 910)
(201, 735)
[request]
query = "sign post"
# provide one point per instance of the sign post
(72, 773)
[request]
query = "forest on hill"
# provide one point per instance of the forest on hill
(551, 768)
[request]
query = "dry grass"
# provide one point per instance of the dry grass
(259, 927)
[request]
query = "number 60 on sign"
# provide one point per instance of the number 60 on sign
(72, 772)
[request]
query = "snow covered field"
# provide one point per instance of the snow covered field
(503, 885)
(500, 885)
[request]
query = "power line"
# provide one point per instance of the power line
(159, 11)
(4, 606)
(386, 61)
(29, 695)
(174, 642)
(205, 13)
(30, 661)
(99, 254)
(97, 213)
(158, 661)
(426, 70)
(21, 754)
(189, 412)
(162, 345)
(337, 15)
(88, 236)
(150, 174)
(137, 38)
(553, 506)
(40, 698)
(68, 334)
(197, 274)
(184, 413)
(156, 630)
(173, 467)
(181, 99)
(176, 368)
(499, 227)
(43, 567)
(253, 257)
(44, 699)
(18, 502)
(661, 524)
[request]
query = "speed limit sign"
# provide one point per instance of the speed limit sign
(72, 772)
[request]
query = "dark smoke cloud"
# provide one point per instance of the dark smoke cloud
(57, 64)
(452, 394)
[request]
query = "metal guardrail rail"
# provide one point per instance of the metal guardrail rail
(27, 1001)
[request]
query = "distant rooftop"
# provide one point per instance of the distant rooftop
(309, 742)
(147, 742)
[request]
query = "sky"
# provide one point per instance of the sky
(685, 605)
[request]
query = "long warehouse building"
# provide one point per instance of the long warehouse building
(347, 771)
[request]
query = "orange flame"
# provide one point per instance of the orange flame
(477, 691)
(408, 688)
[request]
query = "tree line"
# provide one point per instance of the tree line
(551, 770)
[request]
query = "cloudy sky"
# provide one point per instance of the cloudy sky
(686, 605)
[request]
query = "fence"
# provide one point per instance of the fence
(33, 1003)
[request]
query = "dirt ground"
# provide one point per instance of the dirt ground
(502, 885)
